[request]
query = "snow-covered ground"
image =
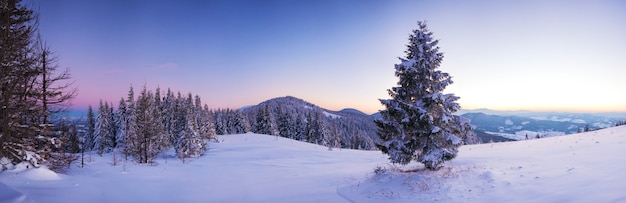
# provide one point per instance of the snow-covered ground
(587, 167)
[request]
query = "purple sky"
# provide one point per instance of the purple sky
(533, 55)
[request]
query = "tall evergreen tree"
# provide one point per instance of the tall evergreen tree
(238, 123)
(121, 118)
(113, 126)
(300, 128)
(418, 122)
(104, 137)
(207, 127)
(264, 122)
(285, 123)
(161, 137)
(129, 146)
(90, 140)
(316, 128)
(190, 143)
(220, 122)
(168, 115)
(29, 89)
(146, 140)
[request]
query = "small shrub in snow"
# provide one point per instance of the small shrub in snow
(379, 170)
(5, 164)
(61, 162)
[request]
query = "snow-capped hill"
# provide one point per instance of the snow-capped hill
(331, 115)
(243, 108)
(353, 111)
(289, 116)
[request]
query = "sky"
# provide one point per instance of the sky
(503, 55)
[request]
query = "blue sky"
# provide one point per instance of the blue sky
(533, 55)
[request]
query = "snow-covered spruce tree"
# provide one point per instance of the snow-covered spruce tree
(90, 143)
(237, 123)
(190, 142)
(129, 146)
(161, 140)
(120, 123)
(285, 124)
(316, 129)
(102, 130)
(143, 138)
(418, 123)
(168, 107)
(264, 122)
(207, 127)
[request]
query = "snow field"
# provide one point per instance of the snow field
(241, 168)
(586, 167)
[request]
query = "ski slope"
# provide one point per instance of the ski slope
(586, 167)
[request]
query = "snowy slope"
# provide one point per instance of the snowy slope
(242, 168)
(584, 167)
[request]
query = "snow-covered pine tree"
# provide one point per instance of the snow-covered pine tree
(120, 118)
(264, 122)
(204, 121)
(197, 109)
(418, 123)
(144, 144)
(220, 126)
(238, 122)
(160, 140)
(316, 128)
(190, 143)
(207, 127)
(129, 147)
(169, 116)
(332, 139)
(103, 132)
(311, 129)
(300, 127)
(113, 126)
(180, 118)
(285, 123)
(89, 139)
(106, 131)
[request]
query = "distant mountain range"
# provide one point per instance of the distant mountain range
(517, 124)
(490, 125)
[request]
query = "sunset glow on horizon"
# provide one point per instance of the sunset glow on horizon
(502, 55)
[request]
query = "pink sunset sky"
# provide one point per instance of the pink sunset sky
(506, 55)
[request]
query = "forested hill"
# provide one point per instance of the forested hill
(297, 119)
